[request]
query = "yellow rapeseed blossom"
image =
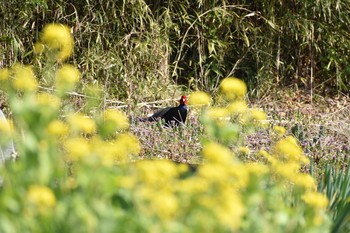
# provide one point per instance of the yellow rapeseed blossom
(157, 171)
(58, 37)
(4, 74)
(57, 128)
(289, 148)
(218, 113)
(230, 209)
(117, 118)
(315, 199)
(305, 181)
(263, 153)
(164, 205)
(280, 130)
(129, 142)
(79, 122)
(105, 150)
(287, 170)
(41, 197)
(258, 115)
(233, 88)
(238, 106)
(38, 48)
(194, 185)
(239, 173)
(214, 172)
(199, 98)
(215, 152)
(244, 150)
(257, 169)
(66, 77)
(77, 148)
(48, 100)
(24, 78)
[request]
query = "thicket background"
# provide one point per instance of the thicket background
(139, 49)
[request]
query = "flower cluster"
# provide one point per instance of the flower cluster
(56, 37)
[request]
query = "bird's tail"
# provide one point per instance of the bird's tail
(143, 119)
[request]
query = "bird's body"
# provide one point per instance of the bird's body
(172, 116)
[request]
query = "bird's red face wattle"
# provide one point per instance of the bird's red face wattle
(183, 100)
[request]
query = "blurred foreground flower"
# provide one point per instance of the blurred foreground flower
(66, 78)
(58, 37)
(41, 197)
(24, 78)
(199, 98)
(279, 130)
(4, 74)
(315, 199)
(81, 123)
(233, 88)
(289, 149)
(117, 118)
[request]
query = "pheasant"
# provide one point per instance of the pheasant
(172, 116)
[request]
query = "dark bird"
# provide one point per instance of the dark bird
(172, 116)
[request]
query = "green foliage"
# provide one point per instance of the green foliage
(336, 184)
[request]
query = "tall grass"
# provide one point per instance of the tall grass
(145, 47)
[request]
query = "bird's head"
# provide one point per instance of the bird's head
(183, 100)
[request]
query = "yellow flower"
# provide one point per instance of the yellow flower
(213, 172)
(238, 106)
(199, 98)
(315, 199)
(230, 209)
(156, 171)
(288, 170)
(48, 100)
(288, 148)
(164, 205)
(41, 197)
(38, 47)
(4, 74)
(194, 185)
(218, 113)
(233, 88)
(24, 78)
(279, 130)
(272, 160)
(66, 77)
(304, 180)
(57, 128)
(244, 150)
(129, 142)
(257, 168)
(107, 151)
(58, 37)
(77, 148)
(79, 122)
(258, 114)
(264, 153)
(117, 118)
(217, 153)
